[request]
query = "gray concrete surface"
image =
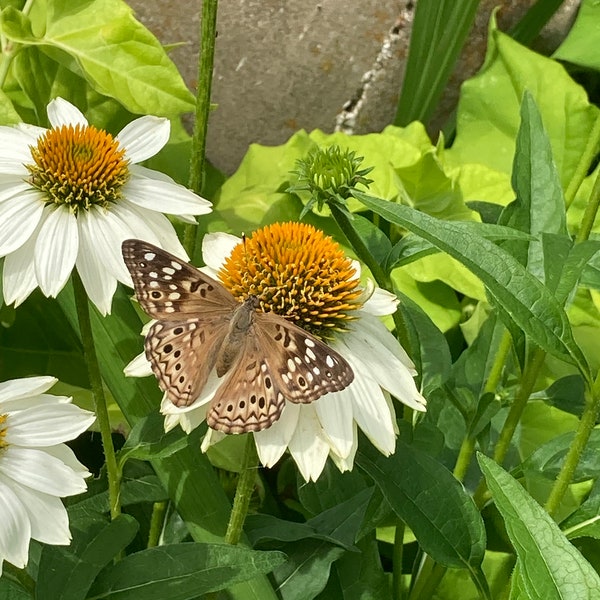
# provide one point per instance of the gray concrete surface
(283, 65)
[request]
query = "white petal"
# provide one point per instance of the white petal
(139, 367)
(41, 400)
(15, 529)
(381, 302)
(337, 420)
(56, 250)
(371, 410)
(47, 515)
(15, 389)
(159, 228)
(216, 247)
(63, 453)
(99, 284)
(18, 277)
(12, 186)
(374, 359)
(47, 425)
(105, 232)
(19, 217)
(211, 438)
(308, 447)
(370, 326)
(271, 443)
(164, 197)
(60, 112)
(144, 137)
(14, 150)
(346, 463)
(40, 471)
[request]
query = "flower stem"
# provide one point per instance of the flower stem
(89, 349)
(582, 436)
(243, 492)
(397, 591)
(514, 415)
(206, 59)
(589, 153)
(159, 510)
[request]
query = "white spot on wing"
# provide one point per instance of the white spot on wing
(149, 256)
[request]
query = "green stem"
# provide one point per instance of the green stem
(397, 590)
(582, 436)
(467, 448)
(514, 415)
(344, 222)
(89, 349)
(243, 492)
(591, 212)
(589, 153)
(19, 576)
(157, 520)
(206, 59)
(10, 49)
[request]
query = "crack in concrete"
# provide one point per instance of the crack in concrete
(346, 119)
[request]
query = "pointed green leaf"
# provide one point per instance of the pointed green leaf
(182, 571)
(551, 567)
(521, 297)
(413, 483)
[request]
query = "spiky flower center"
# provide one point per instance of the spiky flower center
(3, 428)
(298, 272)
(79, 166)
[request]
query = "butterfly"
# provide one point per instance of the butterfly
(263, 358)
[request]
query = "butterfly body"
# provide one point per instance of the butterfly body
(262, 359)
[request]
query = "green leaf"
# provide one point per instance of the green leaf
(66, 573)
(148, 440)
(119, 57)
(488, 110)
(439, 30)
(581, 44)
(551, 567)
(306, 571)
(566, 393)
(182, 571)
(547, 460)
(585, 521)
(520, 297)
(413, 482)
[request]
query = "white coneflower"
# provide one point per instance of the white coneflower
(70, 195)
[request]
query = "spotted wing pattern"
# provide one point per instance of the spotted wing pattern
(276, 361)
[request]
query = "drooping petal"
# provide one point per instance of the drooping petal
(99, 284)
(138, 367)
(105, 232)
(308, 447)
(15, 528)
(381, 303)
(47, 515)
(164, 197)
(19, 218)
(346, 463)
(161, 229)
(38, 470)
(63, 453)
(271, 443)
(47, 425)
(337, 420)
(15, 389)
(216, 248)
(60, 112)
(56, 250)
(375, 360)
(144, 137)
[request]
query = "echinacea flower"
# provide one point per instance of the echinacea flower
(69, 196)
(36, 468)
(298, 272)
